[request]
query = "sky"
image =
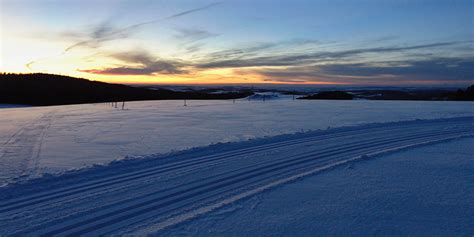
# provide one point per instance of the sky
(322, 42)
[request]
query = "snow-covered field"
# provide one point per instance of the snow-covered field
(159, 196)
(319, 168)
(54, 139)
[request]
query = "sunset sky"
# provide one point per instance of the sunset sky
(366, 42)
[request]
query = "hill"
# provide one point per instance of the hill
(49, 89)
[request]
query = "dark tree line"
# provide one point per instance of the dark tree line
(329, 95)
(467, 94)
(427, 94)
(49, 89)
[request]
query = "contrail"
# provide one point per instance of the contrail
(112, 35)
(193, 10)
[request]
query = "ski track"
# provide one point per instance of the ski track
(155, 197)
(26, 142)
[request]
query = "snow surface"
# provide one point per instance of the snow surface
(54, 139)
(426, 191)
(162, 194)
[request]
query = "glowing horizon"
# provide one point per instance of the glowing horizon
(234, 42)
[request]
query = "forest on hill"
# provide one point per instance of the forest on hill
(49, 89)
(421, 94)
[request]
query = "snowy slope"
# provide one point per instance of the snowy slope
(151, 196)
(53, 139)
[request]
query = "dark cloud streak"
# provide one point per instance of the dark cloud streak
(106, 32)
(193, 35)
(139, 63)
(434, 69)
(298, 59)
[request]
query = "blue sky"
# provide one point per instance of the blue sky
(364, 42)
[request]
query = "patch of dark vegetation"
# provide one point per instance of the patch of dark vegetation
(467, 94)
(48, 89)
(426, 94)
(329, 95)
(394, 95)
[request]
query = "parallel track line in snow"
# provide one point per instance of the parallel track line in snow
(224, 182)
(143, 208)
(97, 229)
(141, 197)
(158, 205)
(166, 168)
(160, 226)
(49, 198)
